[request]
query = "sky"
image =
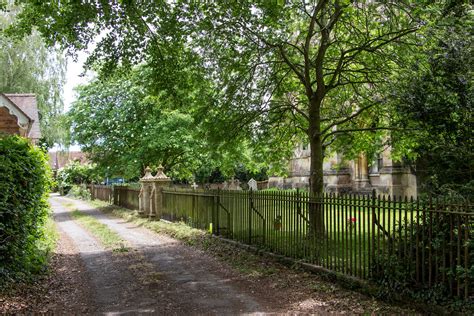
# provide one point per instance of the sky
(73, 79)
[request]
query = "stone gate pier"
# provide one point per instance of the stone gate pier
(151, 197)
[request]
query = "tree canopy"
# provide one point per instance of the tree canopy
(434, 102)
(269, 73)
(125, 127)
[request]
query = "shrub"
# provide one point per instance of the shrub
(76, 173)
(80, 192)
(24, 185)
(439, 243)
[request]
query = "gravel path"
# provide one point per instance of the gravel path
(157, 274)
(113, 285)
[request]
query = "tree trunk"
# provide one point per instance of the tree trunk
(316, 171)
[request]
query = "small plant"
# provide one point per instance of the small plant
(277, 223)
(80, 192)
(351, 223)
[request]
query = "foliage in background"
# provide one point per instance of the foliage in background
(434, 99)
(29, 66)
(79, 191)
(125, 127)
(76, 173)
(240, 172)
(243, 69)
(24, 186)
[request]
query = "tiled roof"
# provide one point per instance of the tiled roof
(60, 159)
(27, 103)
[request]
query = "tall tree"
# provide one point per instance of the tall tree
(29, 66)
(320, 66)
(125, 129)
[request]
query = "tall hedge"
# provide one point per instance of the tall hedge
(24, 186)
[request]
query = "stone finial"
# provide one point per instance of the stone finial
(148, 174)
(194, 186)
(160, 174)
(253, 184)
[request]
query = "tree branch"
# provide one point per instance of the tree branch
(347, 119)
(371, 129)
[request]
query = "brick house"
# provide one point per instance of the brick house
(19, 115)
(60, 159)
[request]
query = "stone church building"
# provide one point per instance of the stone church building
(361, 175)
(19, 115)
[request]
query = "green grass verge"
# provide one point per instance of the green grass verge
(107, 237)
(38, 263)
(47, 244)
(177, 230)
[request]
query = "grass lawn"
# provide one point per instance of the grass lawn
(278, 222)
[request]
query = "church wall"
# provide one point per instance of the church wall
(357, 176)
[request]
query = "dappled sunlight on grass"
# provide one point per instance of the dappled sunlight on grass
(106, 236)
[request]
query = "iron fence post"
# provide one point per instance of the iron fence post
(250, 216)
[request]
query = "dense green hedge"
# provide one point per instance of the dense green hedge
(25, 178)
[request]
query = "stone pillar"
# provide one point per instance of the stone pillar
(362, 179)
(396, 179)
(160, 181)
(146, 187)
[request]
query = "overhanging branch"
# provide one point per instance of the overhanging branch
(369, 129)
(347, 119)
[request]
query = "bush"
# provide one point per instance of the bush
(24, 185)
(80, 192)
(448, 237)
(76, 173)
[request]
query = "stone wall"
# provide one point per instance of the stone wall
(361, 175)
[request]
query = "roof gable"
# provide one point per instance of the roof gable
(23, 119)
(27, 104)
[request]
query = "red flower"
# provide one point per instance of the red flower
(353, 219)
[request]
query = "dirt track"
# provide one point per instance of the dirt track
(156, 274)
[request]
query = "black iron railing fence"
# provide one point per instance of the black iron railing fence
(427, 244)
(364, 236)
